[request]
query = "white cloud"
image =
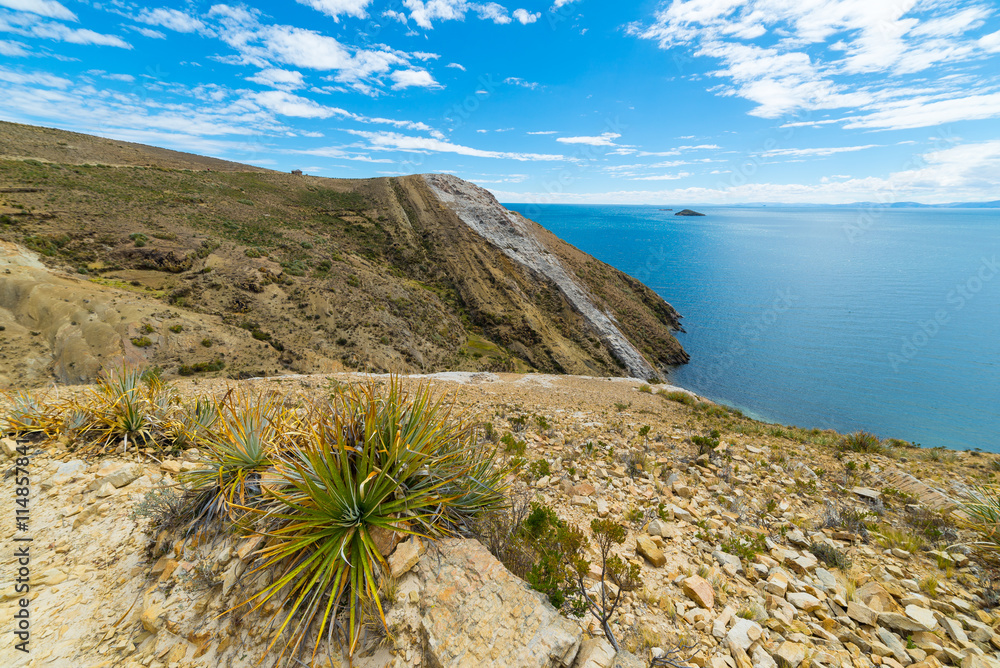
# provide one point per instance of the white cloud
(263, 45)
(492, 11)
(920, 113)
(410, 78)
(662, 177)
(47, 8)
(834, 54)
(289, 104)
(544, 132)
(820, 152)
(13, 49)
(518, 81)
(337, 8)
(561, 3)
(29, 25)
(425, 12)
(456, 66)
(171, 19)
(605, 139)
(991, 42)
(278, 78)
(964, 172)
(396, 141)
(147, 32)
(526, 17)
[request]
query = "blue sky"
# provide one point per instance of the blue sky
(688, 101)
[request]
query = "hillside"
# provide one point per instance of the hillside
(200, 265)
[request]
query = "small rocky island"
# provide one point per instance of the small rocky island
(688, 212)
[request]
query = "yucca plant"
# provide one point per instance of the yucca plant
(28, 414)
(127, 403)
(239, 435)
(368, 463)
(979, 511)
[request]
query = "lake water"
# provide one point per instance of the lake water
(880, 319)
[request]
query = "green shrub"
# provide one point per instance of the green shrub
(512, 446)
(176, 329)
(254, 253)
(147, 328)
(139, 239)
(745, 546)
(539, 468)
(206, 342)
(830, 555)
(862, 441)
(141, 341)
(679, 397)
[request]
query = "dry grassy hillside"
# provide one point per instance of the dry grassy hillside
(199, 265)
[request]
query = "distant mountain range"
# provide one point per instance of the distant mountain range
(995, 204)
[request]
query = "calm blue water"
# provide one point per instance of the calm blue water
(884, 320)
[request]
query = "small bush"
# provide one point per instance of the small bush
(512, 446)
(539, 468)
(905, 540)
(139, 239)
(830, 555)
(176, 329)
(254, 253)
(206, 343)
(141, 341)
(147, 328)
(746, 546)
(862, 441)
(679, 397)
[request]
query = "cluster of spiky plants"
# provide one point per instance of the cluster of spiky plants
(127, 404)
(321, 487)
(239, 437)
(324, 485)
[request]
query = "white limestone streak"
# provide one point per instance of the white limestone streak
(513, 235)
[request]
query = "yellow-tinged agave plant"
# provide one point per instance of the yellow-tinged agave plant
(367, 462)
(239, 437)
(979, 511)
(29, 413)
(127, 403)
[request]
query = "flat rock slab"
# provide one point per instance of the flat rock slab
(476, 613)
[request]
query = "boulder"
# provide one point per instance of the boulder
(123, 476)
(698, 590)
(804, 601)
(901, 623)
(744, 633)
(790, 654)
(405, 557)
(595, 653)
(861, 613)
(476, 613)
(922, 616)
(645, 546)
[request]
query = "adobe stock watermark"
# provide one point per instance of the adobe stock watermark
(749, 334)
(957, 299)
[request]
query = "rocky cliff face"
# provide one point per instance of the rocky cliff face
(516, 237)
(195, 266)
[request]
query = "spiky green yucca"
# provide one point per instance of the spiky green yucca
(239, 435)
(369, 461)
(979, 511)
(27, 414)
(127, 403)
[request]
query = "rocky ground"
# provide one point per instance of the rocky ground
(754, 555)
